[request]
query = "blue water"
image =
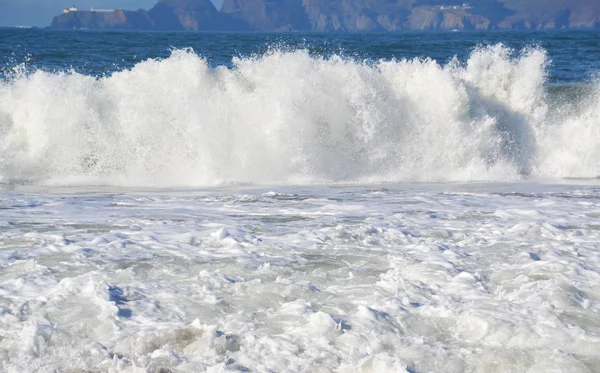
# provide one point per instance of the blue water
(574, 55)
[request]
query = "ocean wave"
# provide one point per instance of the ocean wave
(288, 117)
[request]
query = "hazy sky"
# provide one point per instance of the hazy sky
(40, 12)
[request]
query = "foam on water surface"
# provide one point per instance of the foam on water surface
(416, 278)
(323, 278)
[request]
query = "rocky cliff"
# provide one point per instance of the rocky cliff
(345, 15)
(190, 15)
(118, 19)
(392, 15)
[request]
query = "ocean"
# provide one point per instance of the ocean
(200, 202)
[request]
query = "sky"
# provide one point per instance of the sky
(40, 12)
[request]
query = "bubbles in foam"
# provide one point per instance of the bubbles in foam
(288, 117)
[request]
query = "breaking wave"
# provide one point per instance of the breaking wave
(289, 117)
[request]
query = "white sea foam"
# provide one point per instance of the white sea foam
(288, 117)
(406, 278)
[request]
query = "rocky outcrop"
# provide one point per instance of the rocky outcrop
(393, 15)
(354, 16)
(426, 18)
(269, 15)
(551, 14)
(320, 15)
(344, 15)
(190, 15)
(184, 15)
(118, 19)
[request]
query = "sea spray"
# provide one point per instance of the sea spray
(289, 117)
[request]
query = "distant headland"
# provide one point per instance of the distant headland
(340, 16)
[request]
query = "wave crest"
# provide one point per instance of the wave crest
(289, 117)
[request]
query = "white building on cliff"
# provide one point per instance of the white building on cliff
(71, 9)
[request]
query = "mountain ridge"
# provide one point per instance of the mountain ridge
(342, 15)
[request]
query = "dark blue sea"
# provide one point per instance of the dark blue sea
(574, 55)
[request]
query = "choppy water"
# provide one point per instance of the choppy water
(299, 203)
(575, 54)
